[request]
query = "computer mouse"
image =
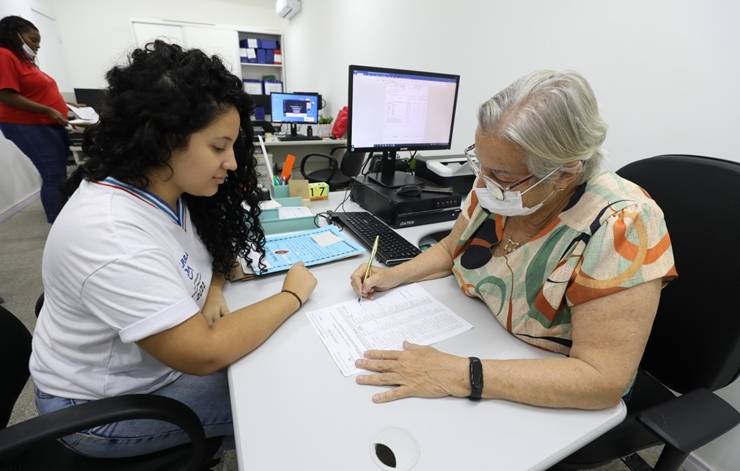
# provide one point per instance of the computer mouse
(409, 190)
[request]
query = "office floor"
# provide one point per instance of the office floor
(22, 240)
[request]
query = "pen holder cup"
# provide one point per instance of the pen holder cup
(280, 191)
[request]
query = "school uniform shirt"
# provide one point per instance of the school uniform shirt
(118, 266)
(611, 236)
(29, 81)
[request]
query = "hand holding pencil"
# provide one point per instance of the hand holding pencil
(369, 263)
(367, 279)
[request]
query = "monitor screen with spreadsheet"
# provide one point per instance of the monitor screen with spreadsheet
(393, 109)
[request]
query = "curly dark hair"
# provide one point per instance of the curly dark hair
(153, 104)
(10, 28)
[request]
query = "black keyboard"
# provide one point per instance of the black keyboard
(392, 248)
(299, 138)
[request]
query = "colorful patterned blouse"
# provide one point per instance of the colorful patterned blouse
(611, 236)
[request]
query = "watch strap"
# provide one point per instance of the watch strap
(476, 379)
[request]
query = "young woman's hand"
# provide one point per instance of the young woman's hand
(379, 279)
(300, 281)
(215, 306)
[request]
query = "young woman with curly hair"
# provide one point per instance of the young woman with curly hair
(134, 265)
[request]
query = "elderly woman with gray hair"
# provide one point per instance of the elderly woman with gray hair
(567, 258)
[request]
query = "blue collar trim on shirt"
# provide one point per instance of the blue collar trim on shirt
(178, 216)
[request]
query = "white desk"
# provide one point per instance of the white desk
(274, 142)
(293, 409)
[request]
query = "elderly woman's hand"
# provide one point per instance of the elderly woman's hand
(379, 279)
(418, 371)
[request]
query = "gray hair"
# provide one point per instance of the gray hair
(553, 116)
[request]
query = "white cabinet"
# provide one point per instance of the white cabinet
(221, 40)
(216, 41)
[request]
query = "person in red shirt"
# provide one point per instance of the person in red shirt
(33, 113)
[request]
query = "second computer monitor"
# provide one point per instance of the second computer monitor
(295, 108)
(94, 97)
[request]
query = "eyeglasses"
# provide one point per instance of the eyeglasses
(497, 189)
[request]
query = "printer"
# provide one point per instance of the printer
(446, 170)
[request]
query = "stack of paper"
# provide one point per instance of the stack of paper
(85, 115)
(408, 313)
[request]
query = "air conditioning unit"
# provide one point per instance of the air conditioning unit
(287, 8)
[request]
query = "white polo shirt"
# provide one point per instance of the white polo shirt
(119, 266)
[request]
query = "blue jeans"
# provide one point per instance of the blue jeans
(208, 396)
(47, 146)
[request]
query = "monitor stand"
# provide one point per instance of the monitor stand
(389, 177)
(294, 132)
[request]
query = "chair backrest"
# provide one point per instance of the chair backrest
(15, 350)
(352, 163)
(695, 340)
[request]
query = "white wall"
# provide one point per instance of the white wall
(19, 180)
(666, 72)
(97, 33)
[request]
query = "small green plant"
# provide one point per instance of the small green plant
(325, 119)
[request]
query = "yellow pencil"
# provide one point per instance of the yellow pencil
(369, 263)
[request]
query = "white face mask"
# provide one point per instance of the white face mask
(27, 50)
(511, 204)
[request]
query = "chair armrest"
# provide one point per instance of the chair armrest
(58, 424)
(690, 421)
(39, 305)
(332, 164)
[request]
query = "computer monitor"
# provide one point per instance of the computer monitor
(391, 110)
(94, 97)
(294, 109)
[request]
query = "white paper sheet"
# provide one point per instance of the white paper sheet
(253, 88)
(273, 87)
(326, 239)
(287, 212)
(350, 328)
(85, 113)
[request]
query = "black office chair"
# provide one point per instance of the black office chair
(694, 347)
(33, 445)
(337, 175)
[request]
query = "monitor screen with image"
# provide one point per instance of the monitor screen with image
(298, 108)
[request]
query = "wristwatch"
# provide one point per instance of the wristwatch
(476, 379)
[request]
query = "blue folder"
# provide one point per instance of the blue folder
(282, 251)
